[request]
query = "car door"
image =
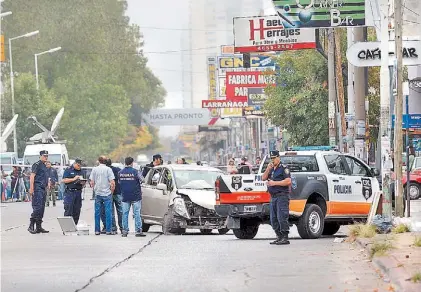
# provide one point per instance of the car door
(149, 191)
(162, 198)
(364, 182)
(340, 185)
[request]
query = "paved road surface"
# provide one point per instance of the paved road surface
(193, 262)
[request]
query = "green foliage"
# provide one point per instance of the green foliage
(300, 101)
(100, 75)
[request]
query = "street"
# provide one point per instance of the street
(192, 262)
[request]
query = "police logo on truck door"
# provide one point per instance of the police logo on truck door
(367, 189)
(236, 182)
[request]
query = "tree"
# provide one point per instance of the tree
(299, 102)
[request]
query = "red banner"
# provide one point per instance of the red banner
(239, 82)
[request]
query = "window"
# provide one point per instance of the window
(167, 179)
(297, 163)
(335, 164)
(196, 179)
(154, 176)
(356, 167)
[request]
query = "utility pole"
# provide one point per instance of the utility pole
(386, 163)
(398, 145)
(351, 98)
(340, 88)
(332, 86)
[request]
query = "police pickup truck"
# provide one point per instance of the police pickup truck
(328, 189)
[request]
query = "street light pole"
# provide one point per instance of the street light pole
(36, 62)
(12, 85)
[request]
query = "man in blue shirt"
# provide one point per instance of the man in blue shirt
(130, 181)
(37, 185)
(74, 183)
(279, 181)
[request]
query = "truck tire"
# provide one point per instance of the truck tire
(414, 191)
(206, 231)
(248, 229)
(331, 228)
(310, 225)
(167, 226)
(223, 231)
(145, 227)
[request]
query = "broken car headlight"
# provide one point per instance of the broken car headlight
(180, 208)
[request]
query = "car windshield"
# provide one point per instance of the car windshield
(31, 159)
(6, 160)
(196, 179)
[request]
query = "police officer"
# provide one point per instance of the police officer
(279, 181)
(73, 190)
(38, 183)
(156, 160)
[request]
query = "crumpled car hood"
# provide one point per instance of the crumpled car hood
(204, 198)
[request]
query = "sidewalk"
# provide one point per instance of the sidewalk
(398, 256)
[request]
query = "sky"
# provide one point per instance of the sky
(161, 22)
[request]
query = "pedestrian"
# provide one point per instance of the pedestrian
(179, 160)
(231, 169)
(199, 163)
(116, 200)
(61, 184)
(183, 161)
(132, 196)
(156, 160)
(74, 183)
(51, 186)
(279, 181)
(102, 181)
(15, 175)
(244, 167)
(38, 183)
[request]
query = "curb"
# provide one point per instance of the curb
(392, 268)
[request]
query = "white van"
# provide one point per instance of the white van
(57, 153)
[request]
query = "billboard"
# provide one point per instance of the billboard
(320, 13)
(178, 117)
(212, 84)
(251, 111)
(231, 113)
(238, 84)
(256, 96)
(234, 63)
(267, 33)
(223, 104)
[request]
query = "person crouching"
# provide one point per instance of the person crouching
(131, 192)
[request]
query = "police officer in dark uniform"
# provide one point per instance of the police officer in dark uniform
(279, 181)
(156, 160)
(38, 183)
(74, 183)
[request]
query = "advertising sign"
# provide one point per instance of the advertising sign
(212, 129)
(414, 121)
(320, 13)
(178, 117)
(212, 83)
(238, 84)
(256, 96)
(231, 113)
(2, 58)
(267, 33)
(251, 111)
(223, 104)
(227, 49)
(368, 54)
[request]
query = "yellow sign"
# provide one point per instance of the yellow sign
(232, 112)
(227, 50)
(237, 62)
(213, 86)
(2, 58)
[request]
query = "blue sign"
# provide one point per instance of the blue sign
(414, 121)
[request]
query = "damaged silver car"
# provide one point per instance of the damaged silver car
(180, 197)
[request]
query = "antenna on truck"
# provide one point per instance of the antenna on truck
(6, 133)
(47, 136)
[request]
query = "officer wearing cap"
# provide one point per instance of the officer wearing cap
(74, 183)
(156, 160)
(279, 181)
(38, 183)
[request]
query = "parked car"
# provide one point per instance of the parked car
(180, 197)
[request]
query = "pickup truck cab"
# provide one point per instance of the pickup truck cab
(329, 189)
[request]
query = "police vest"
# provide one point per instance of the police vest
(278, 174)
(130, 184)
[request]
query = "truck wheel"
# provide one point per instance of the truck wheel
(206, 231)
(248, 230)
(167, 226)
(310, 225)
(223, 231)
(331, 228)
(414, 191)
(145, 227)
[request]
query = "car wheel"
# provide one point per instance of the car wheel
(223, 231)
(145, 227)
(414, 191)
(331, 228)
(167, 226)
(248, 229)
(310, 225)
(206, 231)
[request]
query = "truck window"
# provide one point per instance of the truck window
(297, 163)
(356, 167)
(335, 164)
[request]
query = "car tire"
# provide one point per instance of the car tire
(223, 231)
(248, 230)
(330, 228)
(167, 226)
(414, 191)
(206, 231)
(310, 225)
(145, 227)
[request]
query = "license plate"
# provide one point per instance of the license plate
(249, 209)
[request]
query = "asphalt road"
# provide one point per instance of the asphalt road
(192, 262)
